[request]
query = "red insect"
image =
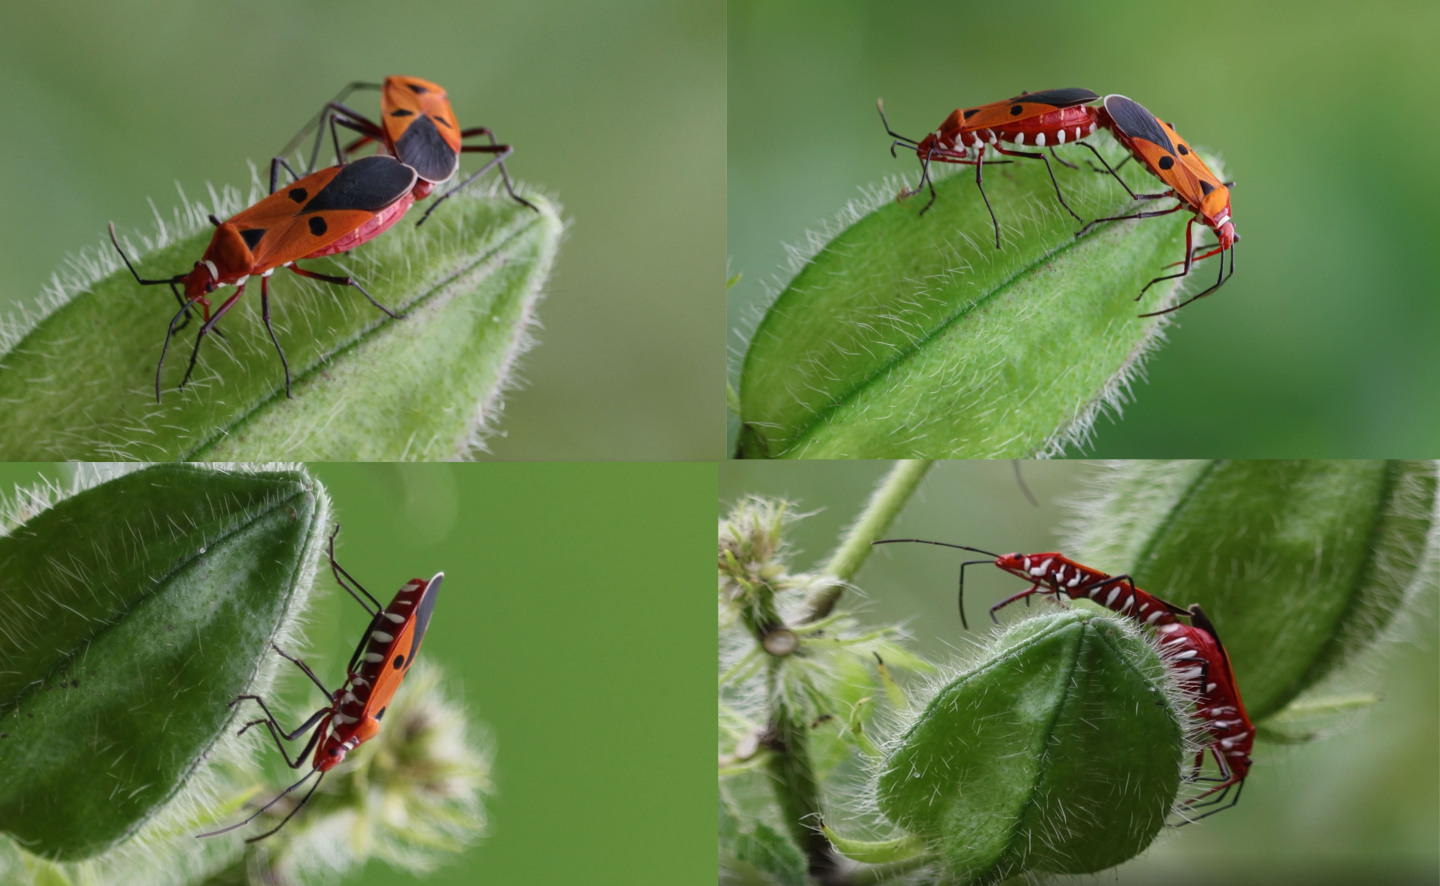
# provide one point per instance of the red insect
(1219, 705)
(1156, 145)
(418, 126)
(1211, 679)
(1058, 576)
(1042, 119)
(328, 212)
(373, 675)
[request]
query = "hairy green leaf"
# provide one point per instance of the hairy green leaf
(79, 382)
(913, 336)
(134, 612)
(1299, 564)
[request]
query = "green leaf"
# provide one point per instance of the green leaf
(1060, 752)
(135, 612)
(79, 383)
(761, 846)
(876, 851)
(1301, 565)
(912, 336)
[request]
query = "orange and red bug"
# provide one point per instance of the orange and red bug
(418, 126)
(1156, 145)
(1039, 119)
(324, 213)
(374, 673)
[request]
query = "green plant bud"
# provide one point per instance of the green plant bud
(1060, 752)
(133, 613)
(78, 381)
(913, 336)
(1300, 564)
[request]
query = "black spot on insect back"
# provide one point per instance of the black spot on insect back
(398, 662)
(971, 113)
(1180, 146)
(253, 237)
(318, 226)
(401, 112)
(1166, 162)
(1016, 110)
(299, 195)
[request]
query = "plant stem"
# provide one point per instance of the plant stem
(884, 505)
(796, 791)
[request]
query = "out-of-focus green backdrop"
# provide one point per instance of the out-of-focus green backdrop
(574, 625)
(618, 109)
(1358, 806)
(1327, 341)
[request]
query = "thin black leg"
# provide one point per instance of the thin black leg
(204, 330)
(343, 281)
(341, 576)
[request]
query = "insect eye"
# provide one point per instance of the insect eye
(209, 287)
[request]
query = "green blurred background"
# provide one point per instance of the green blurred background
(618, 109)
(1327, 341)
(1361, 805)
(572, 625)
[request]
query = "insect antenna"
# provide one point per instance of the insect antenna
(900, 140)
(262, 809)
(944, 544)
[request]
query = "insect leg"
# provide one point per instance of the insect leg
(1049, 168)
(980, 183)
(1175, 208)
(1113, 170)
(304, 667)
(498, 159)
(277, 732)
(1223, 277)
(338, 571)
(1036, 588)
(1062, 161)
(317, 121)
(344, 281)
(165, 348)
(492, 148)
(265, 315)
(204, 330)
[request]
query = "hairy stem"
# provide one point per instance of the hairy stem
(796, 790)
(884, 505)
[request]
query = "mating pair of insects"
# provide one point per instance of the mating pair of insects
(1193, 650)
(335, 209)
(1059, 116)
